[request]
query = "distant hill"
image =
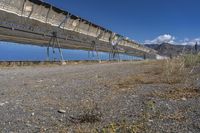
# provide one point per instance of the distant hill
(167, 49)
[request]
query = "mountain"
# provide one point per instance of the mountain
(171, 50)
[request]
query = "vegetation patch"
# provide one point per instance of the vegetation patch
(90, 113)
(178, 93)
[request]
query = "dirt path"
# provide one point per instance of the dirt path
(89, 98)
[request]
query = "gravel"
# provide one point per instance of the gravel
(87, 96)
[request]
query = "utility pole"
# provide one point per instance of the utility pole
(196, 47)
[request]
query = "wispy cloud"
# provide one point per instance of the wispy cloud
(167, 38)
(190, 42)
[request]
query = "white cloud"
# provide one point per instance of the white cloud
(190, 42)
(167, 38)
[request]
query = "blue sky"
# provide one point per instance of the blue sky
(145, 21)
(150, 21)
(13, 52)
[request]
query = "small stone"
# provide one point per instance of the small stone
(168, 106)
(184, 99)
(63, 63)
(54, 80)
(28, 125)
(61, 111)
(97, 76)
(1, 104)
(150, 120)
(39, 81)
(134, 96)
(32, 114)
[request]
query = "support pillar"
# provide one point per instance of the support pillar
(54, 42)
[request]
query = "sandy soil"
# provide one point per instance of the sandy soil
(107, 97)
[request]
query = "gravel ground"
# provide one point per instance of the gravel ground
(94, 98)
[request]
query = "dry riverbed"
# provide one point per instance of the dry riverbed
(107, 97)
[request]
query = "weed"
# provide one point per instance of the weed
(191, 60)
(91, 114)
(178, 93)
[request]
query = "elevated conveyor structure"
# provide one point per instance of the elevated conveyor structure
(36, 22)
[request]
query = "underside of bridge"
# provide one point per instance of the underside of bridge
(38, 23)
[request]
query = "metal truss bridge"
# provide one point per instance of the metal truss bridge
(39, 23)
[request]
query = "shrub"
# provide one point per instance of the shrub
(191, 60)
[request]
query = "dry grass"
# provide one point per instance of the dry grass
(191, 60)
(42, 63)
(155, 75)
(177, 116)
(179, 70)
(90, 113)
(135, 80)
(171, 72)
(122, 127)
(140, 125)
(89, 116)
(177, 93)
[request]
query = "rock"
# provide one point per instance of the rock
(1, 104)
(28, 125)
(32, 114)
(134, 96)
(168, 106)
(61, 111)
(54, 80)
(184, 99)
(40, 81)
(150, 120)
(97, 76)
(63, 63)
